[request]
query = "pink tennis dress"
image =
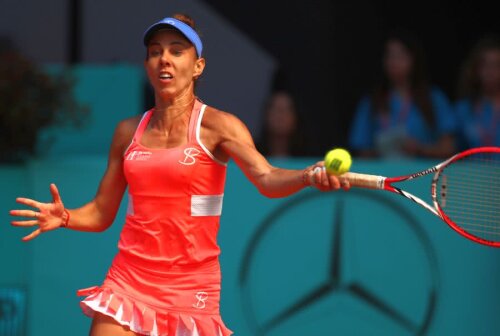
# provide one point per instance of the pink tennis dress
(165, 279)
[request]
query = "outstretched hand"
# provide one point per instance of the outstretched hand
(316, 176)
(49, 216)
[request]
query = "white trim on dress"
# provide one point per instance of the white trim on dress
(198, 139)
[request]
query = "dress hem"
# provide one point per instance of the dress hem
(145, 320)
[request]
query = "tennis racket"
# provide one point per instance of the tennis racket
(465, 192)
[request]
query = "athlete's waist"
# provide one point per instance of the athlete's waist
(163, 266)
(192, 204)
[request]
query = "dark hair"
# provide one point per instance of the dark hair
(186, 19)
(297, 145)
(469, 85)
(419, 83)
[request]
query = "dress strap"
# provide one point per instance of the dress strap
(193, 120)
(195, 130)
(140, 129)
(142, 125)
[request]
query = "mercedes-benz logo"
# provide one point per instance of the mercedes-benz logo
(317, 264)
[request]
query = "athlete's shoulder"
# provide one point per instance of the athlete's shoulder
(212, 113)
(124, 131)
(128, 126)
(221, 121)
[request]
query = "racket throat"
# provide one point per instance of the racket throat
(415, 199)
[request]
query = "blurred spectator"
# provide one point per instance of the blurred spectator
(281, 134)
(404, 116)
(479, 106)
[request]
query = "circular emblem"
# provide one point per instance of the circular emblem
(342, 263)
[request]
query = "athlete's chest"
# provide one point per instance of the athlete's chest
(161, 171)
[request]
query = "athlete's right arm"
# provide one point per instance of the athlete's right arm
(98, 214)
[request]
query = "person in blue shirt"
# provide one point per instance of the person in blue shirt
(404, 116)
(479, 106)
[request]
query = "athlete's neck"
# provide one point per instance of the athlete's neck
(167, 111)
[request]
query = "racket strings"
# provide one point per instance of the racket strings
(479, 196)
(469, 194)
(491, 175)
(484, 214)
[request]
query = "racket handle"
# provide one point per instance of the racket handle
(365, 181)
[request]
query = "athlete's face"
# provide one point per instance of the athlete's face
(489, 70)
(172, 64)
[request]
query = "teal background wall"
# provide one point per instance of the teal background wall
(390, 248)
(112, 93)
(344, 263)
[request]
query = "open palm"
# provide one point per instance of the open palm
(48, 217)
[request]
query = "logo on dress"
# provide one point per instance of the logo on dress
(190, 156)
(201, 297)
(138, 156)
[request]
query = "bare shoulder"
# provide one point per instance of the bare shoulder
(125, 130)
(222, 131)
(223, 123)
(128, 125)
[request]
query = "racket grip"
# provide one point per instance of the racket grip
(365, 180)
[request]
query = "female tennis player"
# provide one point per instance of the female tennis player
(165, 279)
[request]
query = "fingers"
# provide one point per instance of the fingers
(328, 181)
(25, 223)
(316, 176)
(344, 183)
(320, 164)
(319, 178)
(24, 213)
(32, 235)
(55, 193)
(39, 218)
(334, 182)
(28, 202)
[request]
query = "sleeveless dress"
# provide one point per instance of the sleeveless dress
(165, 279)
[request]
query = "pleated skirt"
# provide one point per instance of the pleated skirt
(174, 301)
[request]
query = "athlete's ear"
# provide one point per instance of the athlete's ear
(199, 66)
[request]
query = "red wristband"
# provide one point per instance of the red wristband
(65, 224)
(305, 177)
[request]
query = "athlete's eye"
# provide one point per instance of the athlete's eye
(176, 52)
(154, 52)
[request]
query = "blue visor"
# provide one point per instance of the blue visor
(185, 29)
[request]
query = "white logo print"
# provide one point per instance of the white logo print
(138, 156)
(190, 159)
(201, 297)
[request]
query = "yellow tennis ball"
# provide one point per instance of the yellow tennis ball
(337, 161)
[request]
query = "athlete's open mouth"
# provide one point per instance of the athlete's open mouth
(166, 75)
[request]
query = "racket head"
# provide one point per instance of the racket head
(466, 193)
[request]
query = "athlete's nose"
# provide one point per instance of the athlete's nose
(164, 59)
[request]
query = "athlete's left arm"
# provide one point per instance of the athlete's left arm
(235, 141)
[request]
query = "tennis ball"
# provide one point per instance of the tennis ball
(337, 161)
